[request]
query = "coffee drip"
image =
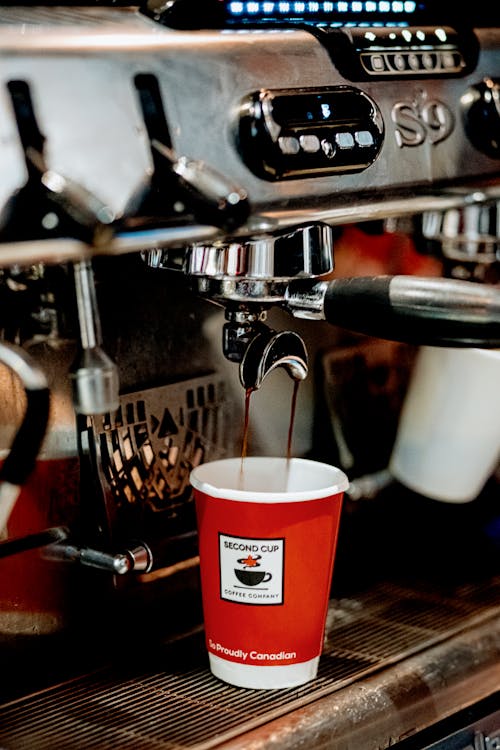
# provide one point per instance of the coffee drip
(246, 426)
(265, 352)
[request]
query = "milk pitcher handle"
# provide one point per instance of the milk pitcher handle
(20, 461)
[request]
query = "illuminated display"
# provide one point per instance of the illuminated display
(323, 10)
(325, 16)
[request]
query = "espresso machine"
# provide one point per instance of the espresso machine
(207, 202)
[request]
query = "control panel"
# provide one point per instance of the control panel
(363, 53)
(291, 133)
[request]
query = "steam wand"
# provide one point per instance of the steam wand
(94, 375)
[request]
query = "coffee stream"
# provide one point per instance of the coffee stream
(244, 445)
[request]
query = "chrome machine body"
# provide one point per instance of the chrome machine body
(156, 159)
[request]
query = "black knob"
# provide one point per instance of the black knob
(481, 107)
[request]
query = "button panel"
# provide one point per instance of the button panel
(289, 134)
(363, 53)
(394, 63)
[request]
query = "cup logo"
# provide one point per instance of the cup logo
(256, 577)
(248, 575)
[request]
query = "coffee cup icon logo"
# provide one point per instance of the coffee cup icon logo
(252, 577)
(248, 575)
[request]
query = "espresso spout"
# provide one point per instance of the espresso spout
(269, 350)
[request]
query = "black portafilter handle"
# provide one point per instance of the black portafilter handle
(412, 309)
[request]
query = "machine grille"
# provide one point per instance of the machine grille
(149, 445)
(169, 700)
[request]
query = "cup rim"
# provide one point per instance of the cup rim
(337, 481)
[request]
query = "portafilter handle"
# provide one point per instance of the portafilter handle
(411, 309)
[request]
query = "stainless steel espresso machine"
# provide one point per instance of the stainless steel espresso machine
(207, 201)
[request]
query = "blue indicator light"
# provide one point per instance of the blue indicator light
(326, 10)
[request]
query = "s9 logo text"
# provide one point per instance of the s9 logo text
(419, 121)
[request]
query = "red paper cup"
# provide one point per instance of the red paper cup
(267, 535)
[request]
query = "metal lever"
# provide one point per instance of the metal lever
(410, 309)
(91, 218)
(212, 198)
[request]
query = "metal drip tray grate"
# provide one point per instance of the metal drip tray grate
(168, 700)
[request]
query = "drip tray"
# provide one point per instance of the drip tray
(168, 700)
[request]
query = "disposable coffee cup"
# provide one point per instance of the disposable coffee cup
(448, 440)
(268, 530)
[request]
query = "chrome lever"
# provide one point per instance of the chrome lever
(209, 194)
(90, 216)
